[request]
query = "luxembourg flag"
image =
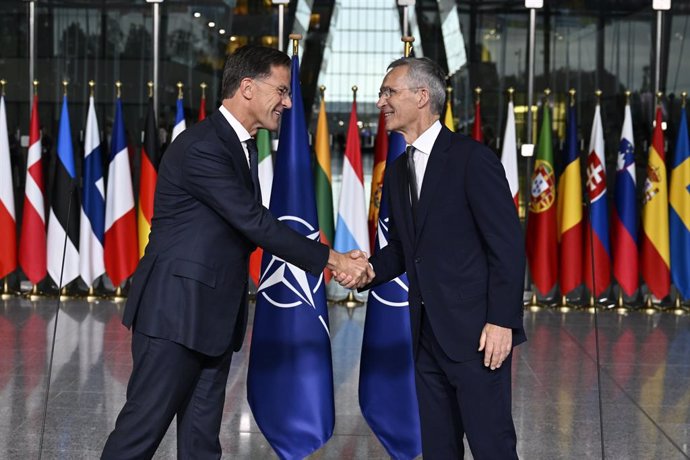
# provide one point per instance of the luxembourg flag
(387, 394)
(180, 124)
(351, 231)
(597, 253)
(91, 230)
(509, 154)
(290, 375)
(121, 255)
(625, 215)
(8, 223)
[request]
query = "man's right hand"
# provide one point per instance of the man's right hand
(352, 269)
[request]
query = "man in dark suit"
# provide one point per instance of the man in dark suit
(188, 300)
(455, 231)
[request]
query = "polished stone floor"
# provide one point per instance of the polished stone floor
(645, 385)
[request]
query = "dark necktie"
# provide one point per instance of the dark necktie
(254, 166)
(412, 178)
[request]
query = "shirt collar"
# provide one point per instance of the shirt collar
(241, 132)
(425, 142)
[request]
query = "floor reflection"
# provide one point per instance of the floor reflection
(644, 379)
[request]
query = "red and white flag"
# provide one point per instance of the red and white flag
(8, 220)
(509, 154)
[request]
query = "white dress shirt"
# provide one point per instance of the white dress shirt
(241, 132)
(422, 150)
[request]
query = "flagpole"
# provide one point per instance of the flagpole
(659, 6)
(281, 22)
(32, 49)
(156, 48)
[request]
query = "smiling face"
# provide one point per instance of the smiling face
(270, 97)
(399, 101)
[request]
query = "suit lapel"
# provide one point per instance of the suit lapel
(232, 143)
(432, 177)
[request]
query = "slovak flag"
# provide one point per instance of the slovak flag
(290, 376)
(625, 215)
(597, 252)
(387, 394)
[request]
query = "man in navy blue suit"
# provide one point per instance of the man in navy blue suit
(455, 231)
(188, 301)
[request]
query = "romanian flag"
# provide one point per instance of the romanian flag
(509, 154)
(380, 152)
(448, 119)
(625, 216)
(542, 242)
(654, 241)
(679, 211)
(597, 263)
(150, 157)
(570, 209)
(263, 144)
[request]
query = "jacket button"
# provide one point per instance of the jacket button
(417, 260)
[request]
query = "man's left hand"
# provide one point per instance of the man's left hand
(497, 343)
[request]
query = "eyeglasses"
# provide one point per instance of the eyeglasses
(283, 91)
(386, 91)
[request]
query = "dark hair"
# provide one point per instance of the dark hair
(250, 62)
(425, 73)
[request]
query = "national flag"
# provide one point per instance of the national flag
(654, 241)
(509, 154)
(679, 211)
(263, 144)
(597, 253)
(380, 152)
(180, 124)
(32, 240)
(542, 243)
(322, 179)
(290, 376)
(120, 222)
(387, 394)
(64, 211)
(351, 229)
(8, 220)
(570, 209)
(477, 134)
(150, 157)
(202, 104)
(448, 119)
(91, 230)
(625, 215)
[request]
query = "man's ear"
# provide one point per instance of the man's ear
(247, 88)
(422, 97)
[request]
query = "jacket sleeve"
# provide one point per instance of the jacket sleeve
(210, 176)
(494, 213)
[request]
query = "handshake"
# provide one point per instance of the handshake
(352, 269)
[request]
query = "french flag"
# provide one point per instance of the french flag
(32, 240)
(625, 216)
(180, 124)
(351, 231)
(597, 254)
(92, 222)
(121, 256)
(8, 222)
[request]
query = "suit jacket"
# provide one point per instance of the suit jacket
(464, 250)
(191, 285)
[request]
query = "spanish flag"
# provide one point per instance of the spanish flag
(654, 241)
(380, 154)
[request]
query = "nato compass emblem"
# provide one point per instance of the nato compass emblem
(294, 281)
(394, 292)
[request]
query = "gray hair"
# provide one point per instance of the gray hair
(425, 73)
